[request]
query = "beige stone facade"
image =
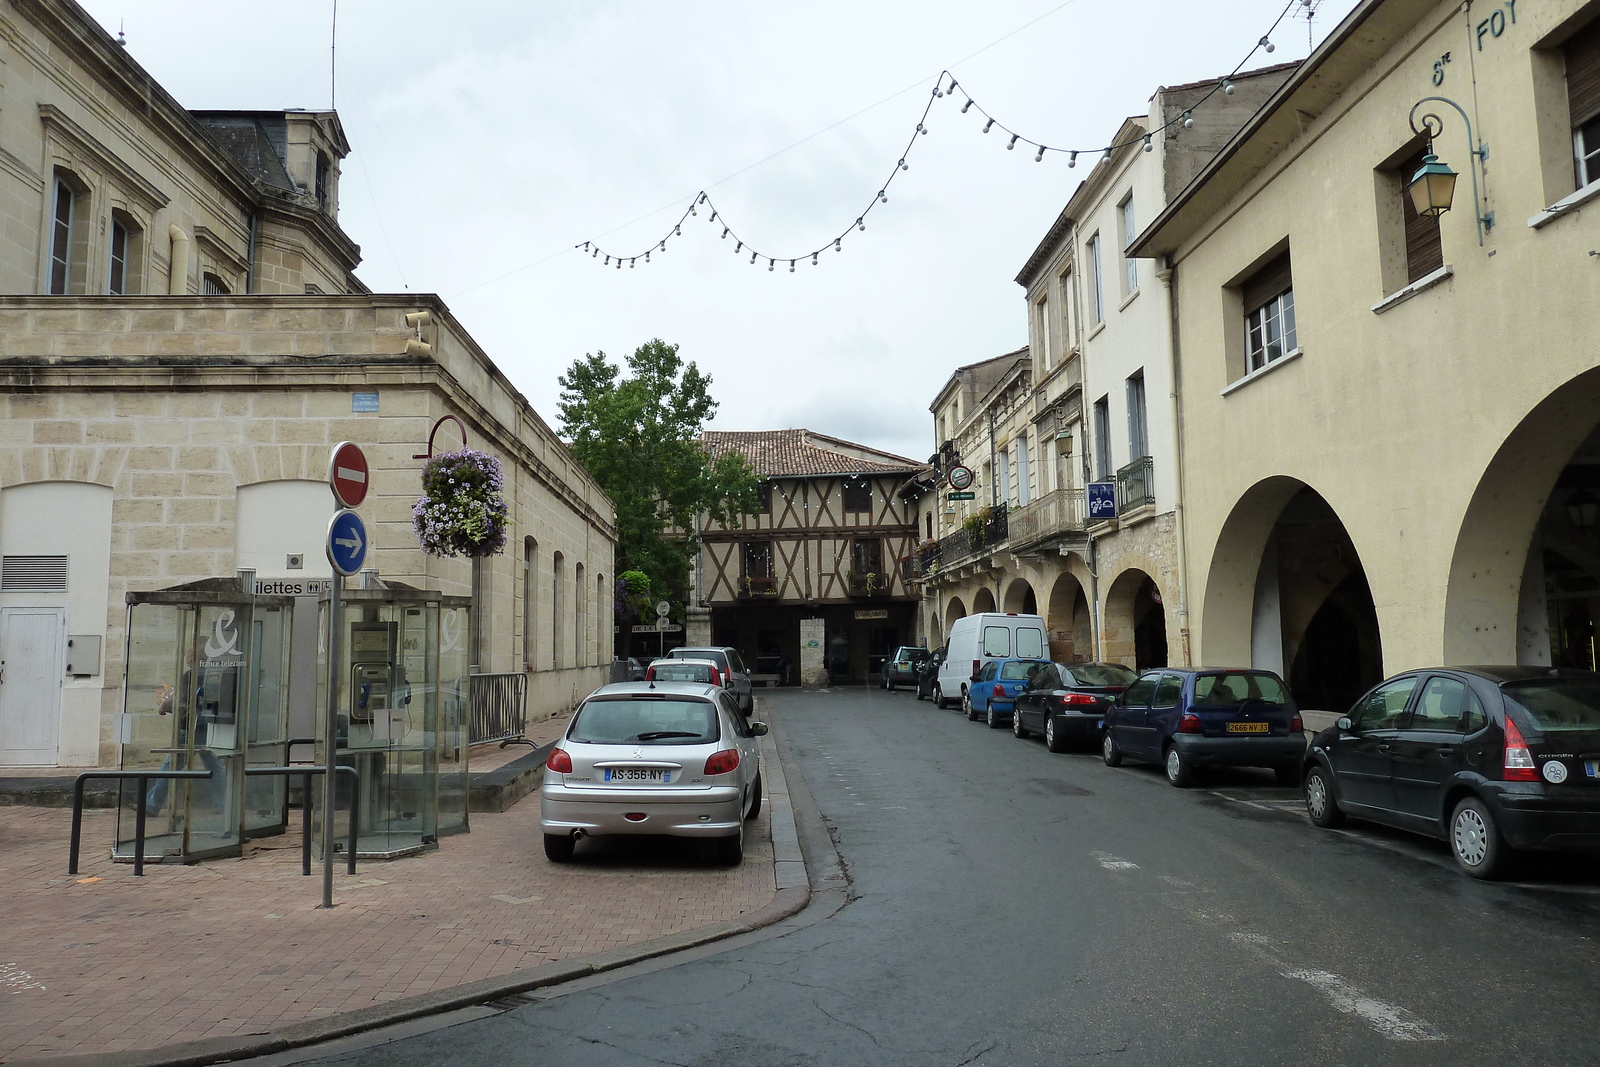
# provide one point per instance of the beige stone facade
(1403, 476)
(182, 340)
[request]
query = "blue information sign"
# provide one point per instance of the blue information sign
(1102, 497)
(347, 542)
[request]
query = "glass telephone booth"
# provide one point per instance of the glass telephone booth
(206, 689)
(402, 717)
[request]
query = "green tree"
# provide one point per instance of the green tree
(639, 436)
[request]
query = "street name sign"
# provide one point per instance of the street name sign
(347, 542)
(664, 628)
(348, 474)
(962, 496)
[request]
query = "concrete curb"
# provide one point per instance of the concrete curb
(793, 894)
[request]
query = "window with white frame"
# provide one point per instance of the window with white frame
(1269, 314)
(1064, 311)
(1138, 420)
(1102, 439)
(1130, 279)
(1041, 318)
(1024, 474)
(1582, 53)
(1003, 482)
(1097, 293)
(61, 234)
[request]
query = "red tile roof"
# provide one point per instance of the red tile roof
(801, 453)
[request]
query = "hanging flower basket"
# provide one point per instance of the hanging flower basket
(462, 511)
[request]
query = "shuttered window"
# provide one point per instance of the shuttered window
(1424, 252)
(1269, 313)
(1583, 100)
(33, 574)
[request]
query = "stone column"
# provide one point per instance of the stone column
(813, 671)
(697, 627)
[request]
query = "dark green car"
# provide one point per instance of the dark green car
(904, 666)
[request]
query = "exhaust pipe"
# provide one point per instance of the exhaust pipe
(577, 835)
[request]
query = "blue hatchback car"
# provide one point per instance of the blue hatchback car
(1191, 717)
(993, 694)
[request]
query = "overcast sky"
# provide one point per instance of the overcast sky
(491, 136)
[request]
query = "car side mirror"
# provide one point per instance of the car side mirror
(1345, 725)
(758, 729)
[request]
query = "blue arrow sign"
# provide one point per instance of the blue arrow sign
(347, 542)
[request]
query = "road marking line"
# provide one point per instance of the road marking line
(1390, 1020)
(1112, 863)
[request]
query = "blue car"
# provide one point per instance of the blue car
(993, 693)
(1192, 717)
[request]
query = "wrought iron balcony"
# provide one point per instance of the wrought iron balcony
(1136, 485)
(873, 583)
(759, 588)
(978, 537)
(1057, 513)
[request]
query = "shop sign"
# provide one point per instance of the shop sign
(873, 613)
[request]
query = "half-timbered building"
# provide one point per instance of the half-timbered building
(827, 545)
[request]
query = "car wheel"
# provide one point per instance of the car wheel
(992, 719)
(558, 847)
(1475, 840)
(966, 706)
(1017, 729)
(887, 684)
(755, 805)
(730, 850)
(1287, 775)
(1052, 737)
(938, 698)
(1109, 752)
(1320, 803)
(1180, 772)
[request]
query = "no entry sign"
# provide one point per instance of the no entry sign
(347, 473)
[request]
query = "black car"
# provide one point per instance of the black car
(1066, 701)
(1491, 759)
(1185, 718)
(904, 667)
(928, 673)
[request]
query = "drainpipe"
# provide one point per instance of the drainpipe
(250, 255)
(1169, 280)
(178, 274)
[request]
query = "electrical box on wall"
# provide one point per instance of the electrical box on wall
(83, 655)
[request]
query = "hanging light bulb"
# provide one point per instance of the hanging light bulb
(692, 211)
(1268, 45)
(791, 266)
(1012, 143)
(713, 217)
(1107, 158)
(951, 88)
(883, 196)
(836, 241)
(1072, 160)
(619, 262)
(937, 92)
(966, 105)
(595, 253)
(813, 259)
(1188, 120)
(1039, 155)
(769, 264)
(861, 224)
(608, 261)
(1227, 87)
(921, 128)
(647, 257)
(903, 165)
(739, 247)
(677, 230)
(586, 246)
(630, 264)
(663, 244)
(724, 233)
(702, 198)
(986, 125)
(1147, 145)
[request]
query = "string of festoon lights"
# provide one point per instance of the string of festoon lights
(946, 87)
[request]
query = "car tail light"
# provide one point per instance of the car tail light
(723, 762)
(1518, 765)
(722, 677)
(977, 668)
(1189, 724)
(1079, 699)
(1297, 725)
(559, 761)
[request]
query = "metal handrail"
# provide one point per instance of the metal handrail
(497, 709)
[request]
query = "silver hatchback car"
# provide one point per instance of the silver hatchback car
(673, 758)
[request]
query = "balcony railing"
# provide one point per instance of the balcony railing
(759, 588)
(875, 583)
(1058, 512)
(969, 541)
(1136, 485)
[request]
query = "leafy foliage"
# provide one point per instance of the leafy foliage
(462, 511)
(639, 436)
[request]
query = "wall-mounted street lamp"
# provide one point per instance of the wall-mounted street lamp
(1433, 186)
(1583, 510)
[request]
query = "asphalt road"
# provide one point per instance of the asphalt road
(1010, 906)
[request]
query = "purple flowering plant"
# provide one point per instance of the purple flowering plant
(463, 509)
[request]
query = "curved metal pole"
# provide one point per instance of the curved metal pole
(440, 421)
(1432, 126)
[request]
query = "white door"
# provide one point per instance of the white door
(32, 644)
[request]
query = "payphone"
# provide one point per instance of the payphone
(378, 693)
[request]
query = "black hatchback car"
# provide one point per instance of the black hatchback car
(1192, 717)
(1066, 701)
(1491, 759)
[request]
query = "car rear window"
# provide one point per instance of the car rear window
(683, 672)
(1019, 671)
(715, 655)
(1030, 641)
(1557, 705)
(1100, 674)
(624, 721)
(997, 641)
(1238, 687)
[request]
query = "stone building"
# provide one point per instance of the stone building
(181, 343)
(1389, 417)
(1089, 400)
(810, 589)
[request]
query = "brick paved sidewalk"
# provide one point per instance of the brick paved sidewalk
(105, 962)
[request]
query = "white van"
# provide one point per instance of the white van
(976, 639)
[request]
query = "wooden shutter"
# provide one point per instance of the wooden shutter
(1583, 73)
(1266, 283)
(1424, 252)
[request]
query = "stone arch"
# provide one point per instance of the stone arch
(1495, 588)
(1227, 613)
(1134, 622)
(953, 610)
(1067, 620)
(983, 600)
(1020, 597)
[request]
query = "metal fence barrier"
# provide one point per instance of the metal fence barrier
(498, 709)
